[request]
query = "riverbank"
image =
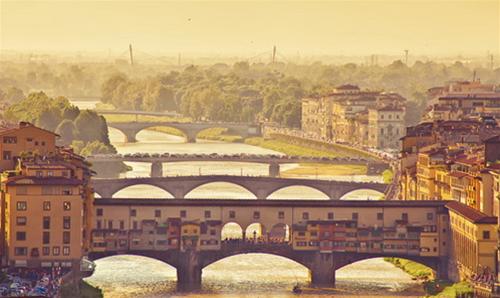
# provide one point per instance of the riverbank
(143, 118)
(433, 288)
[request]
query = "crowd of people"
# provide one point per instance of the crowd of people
(25, 282)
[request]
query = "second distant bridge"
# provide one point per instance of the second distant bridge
(274, 161)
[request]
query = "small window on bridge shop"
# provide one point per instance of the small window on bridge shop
(133, 212)
(380, 216)
(66, 237)
(99, 224)
(281, 215)
(486, 234)
(305, 215)
(331, 215)
(99, 212)
(46, 237)
(122, 225)
(66, 222)
(208, 214)
(45, 250)
(56, 250)
(110, 224)
(183, 213)
(20, 251)
(66, 250)
(404, 216)
(212, 232)
(157, 213)
(21, 206)
(21, 236)
(66, 206)
(314, 233)
(354, 216)
(134, 225)
(232, 214)
(256, 215)
(430, 216)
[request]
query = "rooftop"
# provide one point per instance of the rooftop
(470, 213)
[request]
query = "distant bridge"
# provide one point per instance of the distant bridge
(274, 161)
(260, 187)
(190, 129)
(137, 113)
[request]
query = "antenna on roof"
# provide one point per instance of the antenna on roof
(474, 76)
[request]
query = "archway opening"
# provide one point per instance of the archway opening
(382, 275)
(220, 190)
(254, 273)
(128, 275)
(220, 134)
(97, 196)
(298, 192)
(231, 231)
(363, 194)
(256, 233)
(143, 191)
(279, 233)
(116, 135)
(164, 134)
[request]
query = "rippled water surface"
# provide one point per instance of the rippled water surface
(250, 275)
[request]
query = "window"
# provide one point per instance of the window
(66, 237)
(20, 236)
(354, 216)
(134, 225)
(56, 250)
(99, 225)
(67, 191)
(99, 212)
(404, 216)
(46, 205)
(66, 250)
(43, 143)
(50, 173)
(208, 214)
(133, 212)
(281, 214)
(46, 237)
(232, 214)
(66, 222)
(331, 215)
(39, 174)
(212, 232)
(122, 225)
(21, 220)
(157, 213)
(21, 206)
(7, 155)
(20, 251)
(66, 205)
(29, 139)
(256, 215)
(9, 140)
(46, 251)
(430, 216)
(380, 216)
(486, 234)
(110, 224)
(46, 222)
(305, 215)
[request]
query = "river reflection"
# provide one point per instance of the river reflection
(250, 275)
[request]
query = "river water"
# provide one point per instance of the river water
(251, 275)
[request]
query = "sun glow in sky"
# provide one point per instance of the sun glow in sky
(328, 27)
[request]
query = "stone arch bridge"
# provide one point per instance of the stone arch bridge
(260, 187)
(190, 129)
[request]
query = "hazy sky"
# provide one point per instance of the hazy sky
(237, 27)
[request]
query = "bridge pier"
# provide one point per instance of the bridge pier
(322, 270)
(156, 169)
(189, 271)
(274, 169)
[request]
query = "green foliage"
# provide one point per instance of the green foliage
(414, 269)
(446, 289)
(388, 175)
(287, 148)
(67, 130)
(96, 147)
(91, 127)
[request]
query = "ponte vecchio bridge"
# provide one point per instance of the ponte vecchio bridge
(323, 236)
(274, 161)
(260, 187)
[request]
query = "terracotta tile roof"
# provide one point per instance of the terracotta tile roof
(470, 213)
(457, 174)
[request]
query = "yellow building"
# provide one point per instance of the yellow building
(45, 213)
(474, 240)
(190, 235)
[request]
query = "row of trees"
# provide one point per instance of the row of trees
(86, 131)
(245, 92)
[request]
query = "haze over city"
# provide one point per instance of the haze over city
(249, 27)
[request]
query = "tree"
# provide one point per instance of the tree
(49, 118)
(89, 126)
(67, 130)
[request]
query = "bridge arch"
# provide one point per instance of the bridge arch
(280, 232)
(285, 193)
(231, 230)
(256, 231)
(276, 254)
(363, 194)
(151, 255)
(227, 184)
(143, 191)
